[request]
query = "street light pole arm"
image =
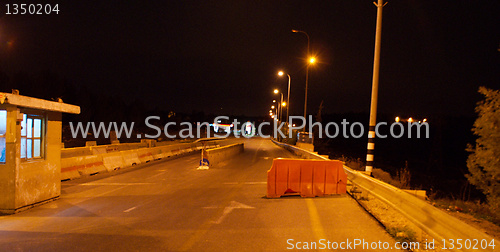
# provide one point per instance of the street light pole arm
(307, 35)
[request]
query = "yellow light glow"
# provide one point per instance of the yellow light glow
(272, 107)
(274, 101)
(276, 91)
(293, 125)
(283, 104)
(397, 119)
(312, 60)
(280, 73)
(272, 116)
(410, 119)
(425, 120)
(270, 111)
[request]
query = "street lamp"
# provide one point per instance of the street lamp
(280, 105)
(307, 70)
(280, 73)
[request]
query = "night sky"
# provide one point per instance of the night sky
(222, 57)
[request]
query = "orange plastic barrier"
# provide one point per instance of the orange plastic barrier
(307, 177)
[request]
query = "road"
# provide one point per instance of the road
(171, 206)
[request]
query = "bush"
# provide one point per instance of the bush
(484, 160)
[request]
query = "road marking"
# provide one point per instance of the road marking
(130, 209)
(315, 221)
(229, 209)
(246, 183)
(210, 207)
(255, 183)
(114, 184)
(156, 175)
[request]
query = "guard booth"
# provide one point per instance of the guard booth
(30, 150)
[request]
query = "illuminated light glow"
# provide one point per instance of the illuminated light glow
(312, 60)
(425, 120)
(410, 119)
(283, 104)
(280, 73)
(272, 107)
(276, 91)
(274, 101)
(397, 119)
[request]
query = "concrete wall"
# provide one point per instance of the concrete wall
(218, 155)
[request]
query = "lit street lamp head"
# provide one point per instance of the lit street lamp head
(280, 73)
(283, 104)
(276, 91)
(312, 60)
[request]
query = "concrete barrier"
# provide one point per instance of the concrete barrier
(130, 158)
(145, 155)
(75, 167)
(217, 155)
(113, 161)
(305, 177)
(74, 152)
(108, 158)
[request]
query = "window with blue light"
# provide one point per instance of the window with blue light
(32, 136)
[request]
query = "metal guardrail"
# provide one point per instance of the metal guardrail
(435, 222)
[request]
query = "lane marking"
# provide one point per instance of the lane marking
(316, 226)
(230, 183)
(114, 184)
(130, 209)
(229, 209)
(255, 183)
(156, 175)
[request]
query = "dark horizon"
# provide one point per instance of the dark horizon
(223, 57)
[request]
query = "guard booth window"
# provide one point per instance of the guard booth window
(32, 137)
(3, 130)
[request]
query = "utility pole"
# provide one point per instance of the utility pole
(373, 107)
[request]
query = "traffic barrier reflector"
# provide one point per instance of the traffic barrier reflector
(305, 177)
(145, 155)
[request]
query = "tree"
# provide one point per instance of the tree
(484, 160)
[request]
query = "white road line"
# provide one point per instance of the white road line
(130, 209)
(114, 184)
(255, 183)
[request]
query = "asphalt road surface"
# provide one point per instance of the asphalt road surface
(169, 205)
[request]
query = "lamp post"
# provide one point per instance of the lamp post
(280, 73)
(280, 105)
(373, 106)
(278, 109)
(307, 70)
